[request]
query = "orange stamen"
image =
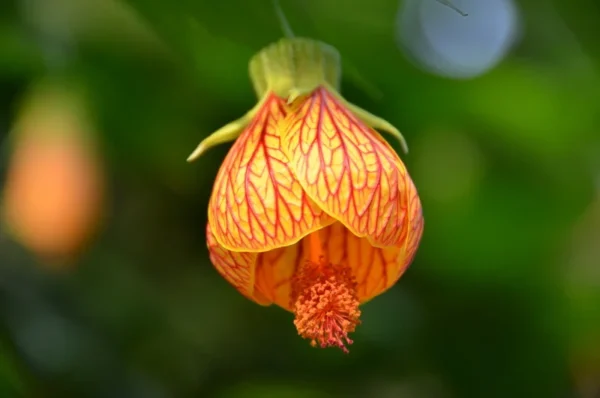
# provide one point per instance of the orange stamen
(315, 247)
(324, 300)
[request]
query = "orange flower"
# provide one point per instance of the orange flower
(54, 190)
(312, 209)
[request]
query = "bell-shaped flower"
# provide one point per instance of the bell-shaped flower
(312, 209)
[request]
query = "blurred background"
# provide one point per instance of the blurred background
(106, 289)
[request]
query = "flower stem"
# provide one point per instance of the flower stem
(285, 25)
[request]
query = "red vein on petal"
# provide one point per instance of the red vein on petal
(255, 191)
(360, 180)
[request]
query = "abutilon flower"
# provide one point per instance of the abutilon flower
(312, 210)
(54, 191)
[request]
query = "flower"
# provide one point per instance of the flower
(54, 192)
(311, 210)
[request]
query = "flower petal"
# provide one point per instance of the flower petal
(348, 169)
(237, 268)
(376, 269)
(275, 269)
(257, 204)
(415, 225)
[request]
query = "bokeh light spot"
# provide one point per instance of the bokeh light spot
(441, 41)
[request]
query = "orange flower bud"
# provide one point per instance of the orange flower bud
(53, 193)
(312, 209)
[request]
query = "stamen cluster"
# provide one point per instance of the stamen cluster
(325, 302)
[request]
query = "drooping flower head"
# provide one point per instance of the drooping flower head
(311, 210)
(54, 193)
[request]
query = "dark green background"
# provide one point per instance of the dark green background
(502, 299)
